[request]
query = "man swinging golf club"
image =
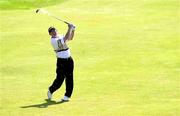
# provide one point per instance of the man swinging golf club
(65, 63)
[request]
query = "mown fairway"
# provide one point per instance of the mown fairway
(126, 53)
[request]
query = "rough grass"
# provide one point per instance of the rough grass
(126, 56)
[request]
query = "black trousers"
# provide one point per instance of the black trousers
(64, 71)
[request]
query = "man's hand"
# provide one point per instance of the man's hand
(70, 32)
(71, 26)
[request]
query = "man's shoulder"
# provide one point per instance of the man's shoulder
(60, 36)
(57, 38)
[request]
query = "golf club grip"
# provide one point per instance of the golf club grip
(66, 22)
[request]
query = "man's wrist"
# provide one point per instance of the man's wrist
(73, 28)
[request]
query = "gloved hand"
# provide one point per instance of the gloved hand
(71, 26)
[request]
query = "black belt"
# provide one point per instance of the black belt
(61, 50)
(65, 58)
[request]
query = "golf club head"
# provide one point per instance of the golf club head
(37, 10)
(42, 11)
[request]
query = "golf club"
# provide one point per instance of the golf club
(43, 11)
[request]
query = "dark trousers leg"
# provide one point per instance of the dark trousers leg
(59, 79)
(69, 78)
(69, 85)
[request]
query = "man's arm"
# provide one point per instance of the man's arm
(70, 33)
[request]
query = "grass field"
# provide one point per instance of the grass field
(126, 53)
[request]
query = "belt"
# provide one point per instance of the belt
(65, 58)
(61, 50)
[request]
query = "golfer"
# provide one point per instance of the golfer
(65, 63)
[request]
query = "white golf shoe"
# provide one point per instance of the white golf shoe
(49, 95)
(65, 99)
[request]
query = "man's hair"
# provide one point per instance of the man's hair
(51, 29)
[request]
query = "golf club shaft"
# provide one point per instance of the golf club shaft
(49, 14)
(58, 19)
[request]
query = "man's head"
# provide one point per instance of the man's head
(52, 31)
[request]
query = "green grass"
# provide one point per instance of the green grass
(126, 56)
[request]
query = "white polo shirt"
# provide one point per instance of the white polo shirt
(60, 47)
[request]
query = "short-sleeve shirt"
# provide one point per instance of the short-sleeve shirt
(60, 47)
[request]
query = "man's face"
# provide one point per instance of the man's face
(53, 33)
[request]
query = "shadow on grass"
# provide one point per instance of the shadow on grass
(44, 105)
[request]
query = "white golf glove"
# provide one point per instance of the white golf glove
(71, 26)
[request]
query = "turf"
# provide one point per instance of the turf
(126, 56)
